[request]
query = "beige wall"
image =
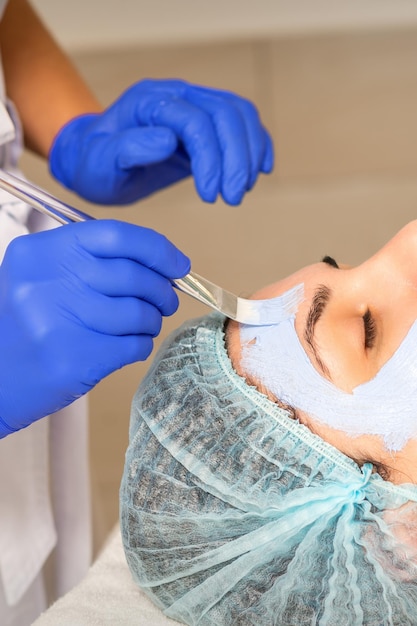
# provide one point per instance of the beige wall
(342, 111)
(81, 24)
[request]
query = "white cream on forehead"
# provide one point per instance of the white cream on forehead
(385, 406)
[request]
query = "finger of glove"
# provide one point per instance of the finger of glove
(260, 143)
(118, 316)
(258, 139)
(195, 129)
(114, 239)
(268, 162)
(123, 113)
(137, 147)
(82, 357)
(96, 355)
(233, 139)
(123, 277)
(111, 353)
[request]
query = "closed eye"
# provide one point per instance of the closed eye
(370, 330)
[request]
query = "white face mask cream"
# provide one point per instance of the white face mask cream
(385, 406)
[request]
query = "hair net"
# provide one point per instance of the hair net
(234, 513)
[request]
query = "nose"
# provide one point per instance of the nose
(401, 251)
(388, 283)
(395, 264)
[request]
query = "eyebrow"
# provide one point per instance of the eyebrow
(320, 300)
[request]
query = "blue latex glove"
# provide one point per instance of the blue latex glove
(77, 303)
(157, 133)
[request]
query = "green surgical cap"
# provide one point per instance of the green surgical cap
(233, 513)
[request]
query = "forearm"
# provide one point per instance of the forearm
(40, 79)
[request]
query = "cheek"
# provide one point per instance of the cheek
(310, 275)
(233, 346)
(352, 447)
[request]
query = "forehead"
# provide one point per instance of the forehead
(309, 276)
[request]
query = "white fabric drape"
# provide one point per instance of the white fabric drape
(44, 473)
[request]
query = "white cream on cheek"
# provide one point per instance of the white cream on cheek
(385, 406)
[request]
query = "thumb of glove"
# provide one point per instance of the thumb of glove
(138, 147)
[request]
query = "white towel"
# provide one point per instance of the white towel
(106, 597)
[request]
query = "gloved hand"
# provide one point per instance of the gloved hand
(77, 303)
(157, 133)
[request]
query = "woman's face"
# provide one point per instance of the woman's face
(351, 321)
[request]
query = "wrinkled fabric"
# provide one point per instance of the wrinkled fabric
(234, 513)
(44, 492)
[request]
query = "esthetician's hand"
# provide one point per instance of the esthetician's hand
(157, 133)
(77, 303)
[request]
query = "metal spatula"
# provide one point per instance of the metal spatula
(253, 312)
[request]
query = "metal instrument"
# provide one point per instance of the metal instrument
(254, 312)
